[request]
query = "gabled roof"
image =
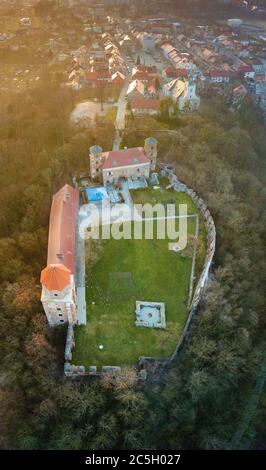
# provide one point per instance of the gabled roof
(119, 75)
(117, 158)
(136, 85)
(55, 277)
(245, 68)
(102, 74)
(62, 228)
(92, 76)
(140, 75)
(170, 85)
(148, 68)
(219, 73)
(145, 104)
(175, 73)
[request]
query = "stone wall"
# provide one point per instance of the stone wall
(70, 343)
(211, 244)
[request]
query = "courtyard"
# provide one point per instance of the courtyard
(120, 273)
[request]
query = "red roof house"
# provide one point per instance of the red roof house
(117, 158)
(172, 72)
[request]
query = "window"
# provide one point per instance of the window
(60, 314)
(59, 309)
(138, 169)
(56, 295)
(61, 321)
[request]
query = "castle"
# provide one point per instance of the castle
(59, 293)
(116, 164)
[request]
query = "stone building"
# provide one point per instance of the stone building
(57, 278)
(116, 164)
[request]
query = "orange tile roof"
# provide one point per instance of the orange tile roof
(55, 277)
(132, 156)
(62, 228)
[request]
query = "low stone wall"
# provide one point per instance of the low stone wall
(211, 244)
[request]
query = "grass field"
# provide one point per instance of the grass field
(119, 272)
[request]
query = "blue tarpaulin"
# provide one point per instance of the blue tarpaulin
(96, 194)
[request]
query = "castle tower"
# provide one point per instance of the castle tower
(191, 87)
(58, 294)
(95, 160)
(150, 148)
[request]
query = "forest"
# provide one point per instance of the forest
(201, 401)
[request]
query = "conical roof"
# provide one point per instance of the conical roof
(55, 277)
(151, 141)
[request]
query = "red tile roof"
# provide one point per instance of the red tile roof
(219, 73)
(103, 74)
(175, 73)
(145, 104)
(132, 156)
(62, 228)
(245, 68)
(55, 277)
(98, 75)
(118, 77)
(139, 75)
(148, 68)
(91, 76)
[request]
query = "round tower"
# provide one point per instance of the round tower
(150, 148)
(95, 160)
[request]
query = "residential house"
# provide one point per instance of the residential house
(136, 90)
(258, 65)
(98, 78)
(247, 71)
(118, 79)
(183, 93)
(219, 76)
(142, 106)
(171, 72)
(137, 74)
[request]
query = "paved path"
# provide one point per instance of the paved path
(120, 115)
(117, 140)
(126, 194)
(80, 276)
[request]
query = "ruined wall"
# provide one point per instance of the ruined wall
(211, 243)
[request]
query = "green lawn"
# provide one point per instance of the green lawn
(119, 272)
